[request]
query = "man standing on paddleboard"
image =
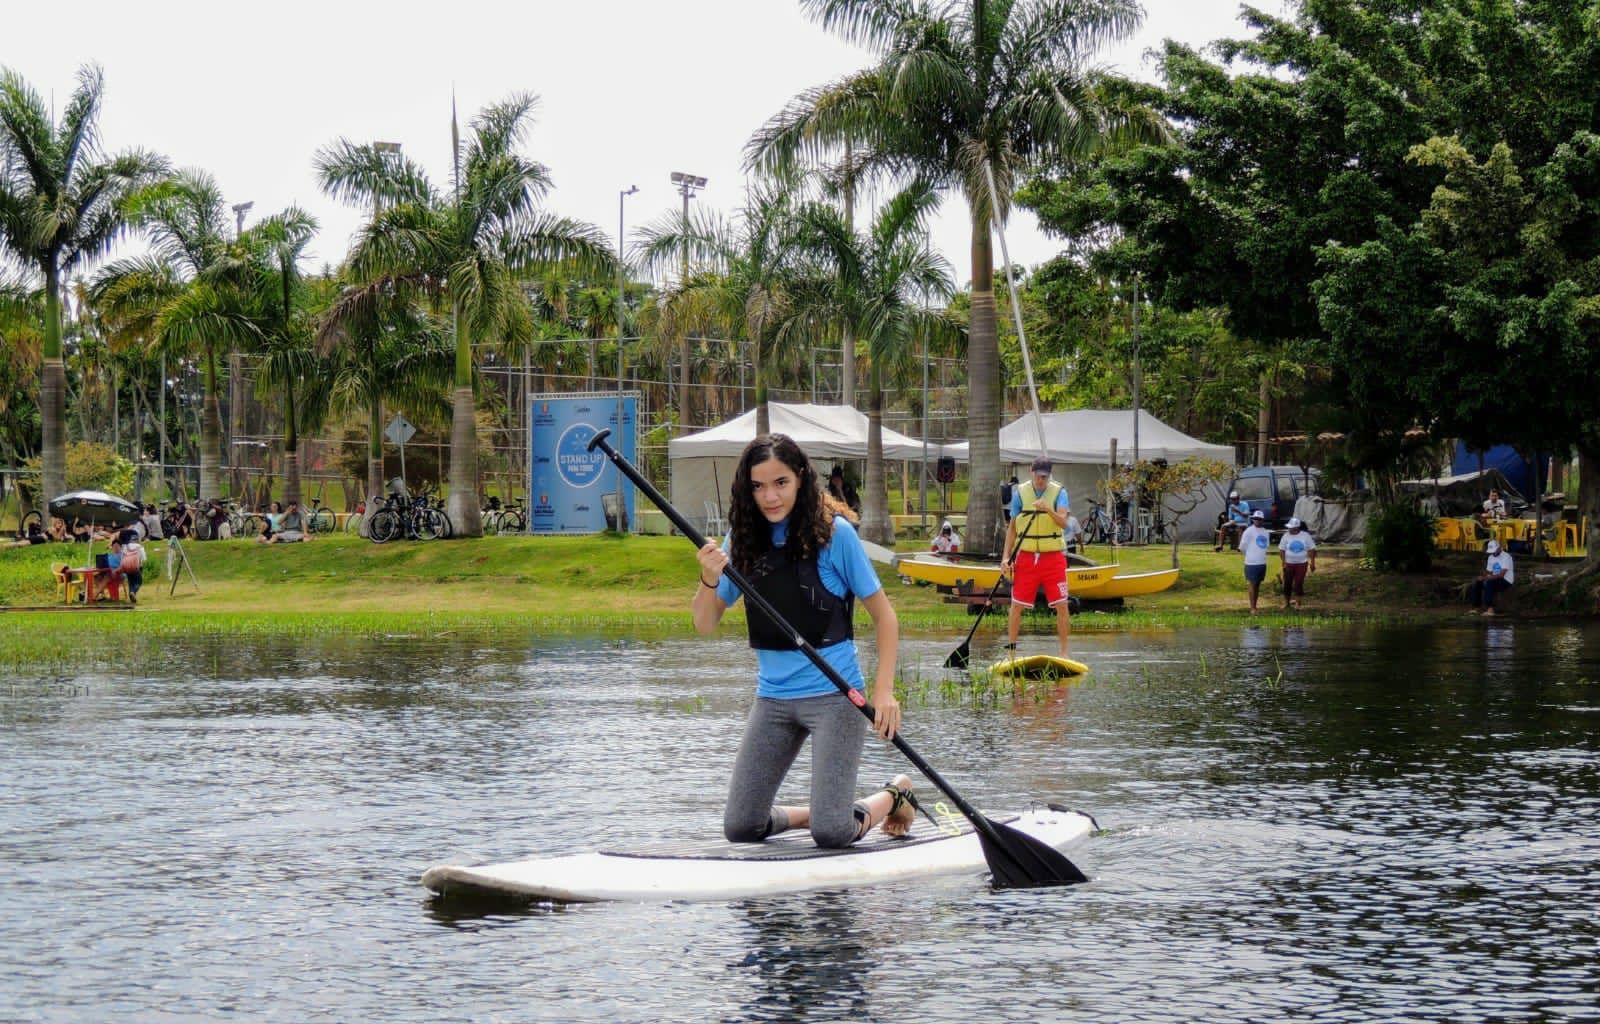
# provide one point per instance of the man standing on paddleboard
(1038, 516)
(799, 551)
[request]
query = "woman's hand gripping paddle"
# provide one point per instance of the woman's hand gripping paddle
(1015, 859)
(961, 657)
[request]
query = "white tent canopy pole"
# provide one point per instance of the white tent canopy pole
(1016, 306)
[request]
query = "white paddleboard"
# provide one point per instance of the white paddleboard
(725, 871)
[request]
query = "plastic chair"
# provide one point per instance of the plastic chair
(69, 585)
(714, 521)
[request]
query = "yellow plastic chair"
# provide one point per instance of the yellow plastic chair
(69, 585)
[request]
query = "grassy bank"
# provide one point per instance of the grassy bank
(343, 584)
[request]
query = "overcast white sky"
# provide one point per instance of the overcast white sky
(630, 90)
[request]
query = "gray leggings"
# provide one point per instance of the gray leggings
(773, 735)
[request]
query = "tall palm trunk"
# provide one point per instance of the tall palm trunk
(210, 434)
(684, 408)
(291, 448)
(985, 402)
(763, 415)
(876, 525)
(53, 393)
(375, 450)
(466, 516)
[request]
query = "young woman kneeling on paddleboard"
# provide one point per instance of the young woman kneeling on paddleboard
(797, 549)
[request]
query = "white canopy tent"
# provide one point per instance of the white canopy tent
(1078, 442)
(702, 464)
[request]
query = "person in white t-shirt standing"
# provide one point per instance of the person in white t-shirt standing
(1253, 542)
(1299, 553)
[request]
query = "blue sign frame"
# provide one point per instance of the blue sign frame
(574, 489)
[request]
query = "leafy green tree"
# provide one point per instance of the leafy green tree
(60, 208)
(875, 286)
(961, 90)
(467, 249)
(195, 288)
(749, 268)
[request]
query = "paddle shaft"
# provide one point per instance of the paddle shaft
(963, 653)
(979, 822)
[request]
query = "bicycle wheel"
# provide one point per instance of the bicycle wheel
(352, 522)
(1124, 531)
(491, 521)
(322, 521)
(33, 518)
(386, 526)
(252, 526)
(431, 524)
(512, 522)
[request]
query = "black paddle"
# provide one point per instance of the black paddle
(961, 657)
(1016, 859)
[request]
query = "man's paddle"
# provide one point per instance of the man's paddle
(961, 657)
(1015, 858)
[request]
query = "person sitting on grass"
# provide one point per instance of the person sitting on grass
(33, 536)
(291, 527)
(1499, 573)
(947, 541)
(1233, 522)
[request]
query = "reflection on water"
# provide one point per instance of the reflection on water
(1336, 824)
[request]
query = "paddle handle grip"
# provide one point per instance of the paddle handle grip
(757, 601)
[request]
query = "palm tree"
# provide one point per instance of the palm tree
(383, 351)
(875, 290)
(467, 249)
(289, 365)
(745, 281)
(962, 88)
(60, 208)
(195, 286)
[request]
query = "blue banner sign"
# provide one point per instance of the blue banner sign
(574, 489)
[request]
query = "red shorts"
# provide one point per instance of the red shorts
(1035, 569)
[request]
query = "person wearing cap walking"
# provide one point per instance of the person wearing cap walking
(1038, 517)
(1254, 542)
(1299, 553)
(1233, 521)
(1499, 573)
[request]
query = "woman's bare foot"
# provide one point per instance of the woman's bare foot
(901, 813)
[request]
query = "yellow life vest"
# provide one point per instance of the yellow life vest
(1039, 532)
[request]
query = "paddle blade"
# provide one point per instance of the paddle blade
(1019, 861)
(961, 657)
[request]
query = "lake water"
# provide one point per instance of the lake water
(1331, 824)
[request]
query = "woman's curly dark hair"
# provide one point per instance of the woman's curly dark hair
(811, 522)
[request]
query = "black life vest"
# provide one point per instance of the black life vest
(794, 588)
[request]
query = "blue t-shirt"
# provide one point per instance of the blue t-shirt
(845, 569)
(1239, 514)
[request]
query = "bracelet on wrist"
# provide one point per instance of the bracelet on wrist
(708, 586)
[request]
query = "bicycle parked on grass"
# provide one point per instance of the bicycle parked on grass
(498, 518)
(412, 519)
(1099, 527)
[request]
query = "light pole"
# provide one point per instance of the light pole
(622, 305)
(236, 397)
(687, 185)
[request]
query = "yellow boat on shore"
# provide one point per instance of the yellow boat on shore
(1088, 582)
(1136, 584)
(977, 577)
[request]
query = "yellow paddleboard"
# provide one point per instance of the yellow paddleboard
(1039, 666)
